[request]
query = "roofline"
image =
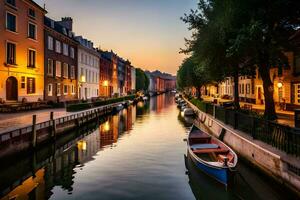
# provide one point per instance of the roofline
(37, 5)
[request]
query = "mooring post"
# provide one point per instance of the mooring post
(33, 131)
(53, 128)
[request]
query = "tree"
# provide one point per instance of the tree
(231, 37)
(142, 81)
(191, 75)
(264, 37)
(215, 25)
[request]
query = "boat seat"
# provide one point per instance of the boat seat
(218, 150)
(204, 146)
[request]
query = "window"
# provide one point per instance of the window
(72, 89)
(297, 64)
(23, 82)
(50, 67)
(72, 52)
(31, 58)
(11, 22)
(10, 53)
(50, 43)
(32, 31)
(58, 69)
(30, 85)
(66, 89)
(66, 70)
(50, 90)
(65, 49)
(57, 46)
(58, 91)
(247, 88)
(72, 72)
(11, 2)
(31, 12)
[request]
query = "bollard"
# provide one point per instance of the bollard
(53, 128)
(34, 131)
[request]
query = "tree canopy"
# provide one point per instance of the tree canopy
(233, 37)
(142, 81)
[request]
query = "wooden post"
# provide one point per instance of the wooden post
(214, 111)
(34, 139)
(53, 128)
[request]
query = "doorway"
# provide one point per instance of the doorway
(11, 89)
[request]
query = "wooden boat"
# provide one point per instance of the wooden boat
(188, 111)
(211, 155)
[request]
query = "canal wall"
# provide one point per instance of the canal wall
(273, 162)
(37, 134)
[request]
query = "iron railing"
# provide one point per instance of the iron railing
(280, 136)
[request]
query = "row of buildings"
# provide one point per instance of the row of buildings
(286, 82)
(160, 82)
(43, 59)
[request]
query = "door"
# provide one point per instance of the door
(11, 89)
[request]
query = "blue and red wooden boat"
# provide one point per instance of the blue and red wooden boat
(211, 155)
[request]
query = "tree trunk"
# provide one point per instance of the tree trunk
(236, 90)
(199, 92)
(270, 112)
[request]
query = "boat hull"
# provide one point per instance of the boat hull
(219, 174)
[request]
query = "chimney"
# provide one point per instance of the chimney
(67, 22)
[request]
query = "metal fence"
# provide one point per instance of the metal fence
(280, 136)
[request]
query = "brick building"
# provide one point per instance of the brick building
(60, 61)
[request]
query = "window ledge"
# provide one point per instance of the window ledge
(10, 65)
(32, 39)
(14, 32)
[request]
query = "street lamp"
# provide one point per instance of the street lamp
(279, 84)
(82, 79)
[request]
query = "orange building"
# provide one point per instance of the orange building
(22, 55)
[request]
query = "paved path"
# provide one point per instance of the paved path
(11, 121)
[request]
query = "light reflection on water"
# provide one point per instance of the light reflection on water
(135, 154)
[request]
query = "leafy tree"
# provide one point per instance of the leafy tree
(190, 74)
(214, 28)
(232, 36)
(264, 37)
(142, 81)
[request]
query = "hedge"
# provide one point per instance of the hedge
(84, 106)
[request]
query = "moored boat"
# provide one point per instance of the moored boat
(211, 156)
(188, 112)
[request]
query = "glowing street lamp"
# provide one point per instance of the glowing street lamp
(279, 85)
(82, 79)
(105, 83)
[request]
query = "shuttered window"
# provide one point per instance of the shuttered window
(30, 85)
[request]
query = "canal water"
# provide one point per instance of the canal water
(138, 153)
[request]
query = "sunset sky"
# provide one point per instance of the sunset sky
(147, 32)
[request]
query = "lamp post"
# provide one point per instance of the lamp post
(81, 81)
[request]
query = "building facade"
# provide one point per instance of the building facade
(133, 79)
(114, 62)
(22, 55)
(60, 61)
(105, 75)
(121, 76)
(128, 82)
(88, 69)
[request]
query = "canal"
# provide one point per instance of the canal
(135, 154)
